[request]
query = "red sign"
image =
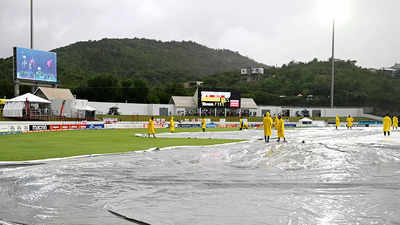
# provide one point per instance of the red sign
(54, 127)
(74, 126)
(234, 103)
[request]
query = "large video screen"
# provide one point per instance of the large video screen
(34, 65)
(218, 98)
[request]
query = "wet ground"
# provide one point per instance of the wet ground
(334, 177)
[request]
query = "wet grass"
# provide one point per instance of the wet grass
(44, 145)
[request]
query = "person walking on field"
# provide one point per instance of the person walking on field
(203, 124)
(387, 123)
(349, 121)
(151, 129)
(172, 125)
(267, 121)
(395, 122)
(281, 129)
(241, 124)
(276, 122)
(337, 122)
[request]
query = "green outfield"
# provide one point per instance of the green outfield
(44, 145)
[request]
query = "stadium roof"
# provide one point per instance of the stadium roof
(183, 101)
(54, 93)
(247, 103)
(28, 97)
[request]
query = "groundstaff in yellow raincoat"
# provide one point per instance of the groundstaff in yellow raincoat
(281, 129)
(276, 122)
(337, 121)
(267, 122)
(387, 123)
(240, 124)
(203, 124)
(151, 130)
(395, 122)
(172, 125)
(349, 121)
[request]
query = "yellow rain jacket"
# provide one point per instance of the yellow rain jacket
(267, 122)
(246, 125)
(172, 125)
(387, 123)
(276, 120)
(395, 122)
(203, 123)
(281, 128)
(337, 121)
(151, 127)
(349, 121)
(241, 124)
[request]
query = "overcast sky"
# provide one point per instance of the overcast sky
(269, 31)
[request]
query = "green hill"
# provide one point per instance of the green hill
(154, 62)
(309, 84)
(151, 60)
(149, 71)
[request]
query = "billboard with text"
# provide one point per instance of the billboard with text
(218, 98)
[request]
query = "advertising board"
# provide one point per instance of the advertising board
(40, 127)
(95, 126)
(188, 125)
(211, 125)
(218, 99)
(36, 66)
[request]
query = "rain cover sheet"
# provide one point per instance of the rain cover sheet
(334, 177)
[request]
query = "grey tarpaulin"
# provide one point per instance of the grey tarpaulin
(335, 177)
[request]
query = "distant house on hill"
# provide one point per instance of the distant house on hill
(392, 71)
(252, 74)
(192, 84)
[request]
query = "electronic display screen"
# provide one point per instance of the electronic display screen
(218, 98)
(34, 65)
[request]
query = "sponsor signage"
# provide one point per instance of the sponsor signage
(75, 126)
(55, 127)
(234, 103)
(211, 125)
(13, 129)
(110, 120)
(188, 125)
(17, 128)
(4, 128)
(218, 99)
(94, 126)
(39, 127)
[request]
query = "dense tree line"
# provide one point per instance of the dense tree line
(109, 88)
(308, 84)
(162, 66)
(149, 71)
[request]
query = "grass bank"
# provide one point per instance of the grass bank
(44, 145)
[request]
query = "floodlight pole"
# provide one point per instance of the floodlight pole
(333, 62)
(31, 24)
(34, 86)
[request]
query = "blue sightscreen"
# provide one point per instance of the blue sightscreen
(35, 65)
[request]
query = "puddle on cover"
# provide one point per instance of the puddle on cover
(335, 177)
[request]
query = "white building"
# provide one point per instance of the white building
(64, 104)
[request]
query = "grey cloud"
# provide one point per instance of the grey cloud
(272, 32)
